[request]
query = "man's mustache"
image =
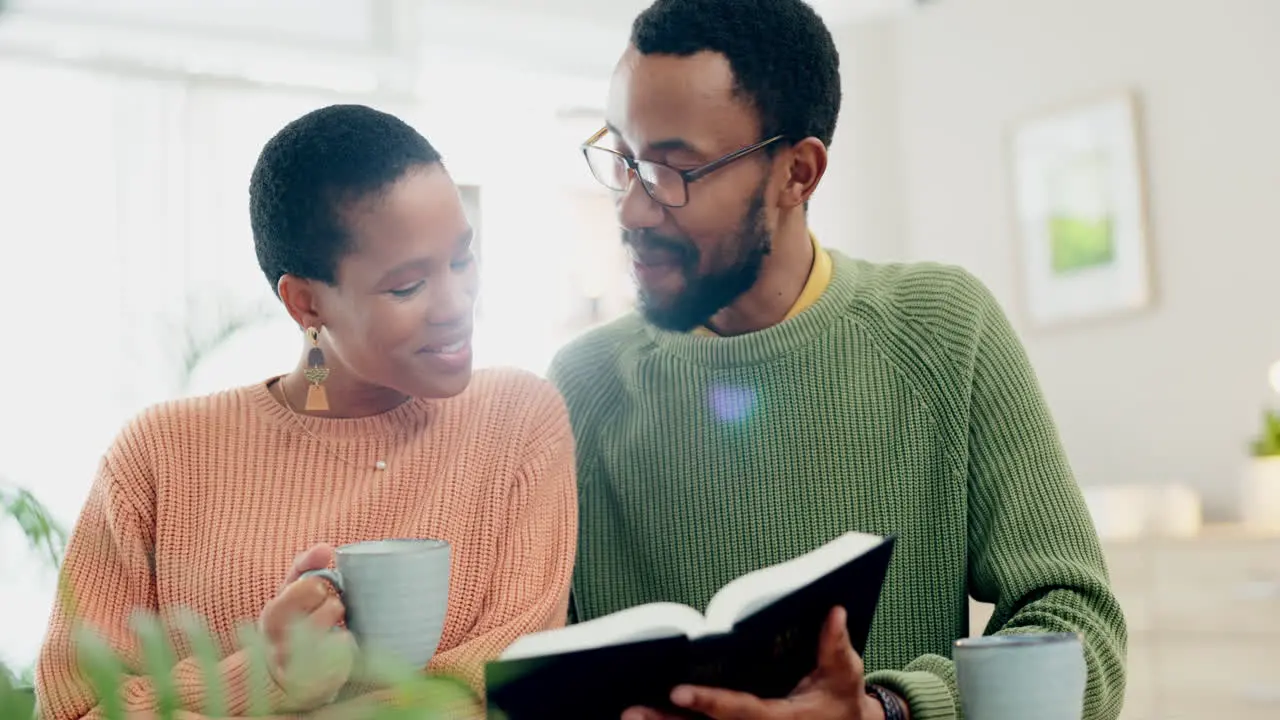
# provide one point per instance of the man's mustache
(647, 240)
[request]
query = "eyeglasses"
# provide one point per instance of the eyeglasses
(667, 186)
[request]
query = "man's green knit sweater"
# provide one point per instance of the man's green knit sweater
(901, 402)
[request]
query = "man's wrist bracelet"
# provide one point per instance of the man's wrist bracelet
(892, 704)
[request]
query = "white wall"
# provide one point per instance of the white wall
(1168, 396)
(858, 206)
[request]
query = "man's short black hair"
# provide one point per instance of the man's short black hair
(782, 55)
(329, 156)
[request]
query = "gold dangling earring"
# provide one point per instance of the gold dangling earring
(316, 373)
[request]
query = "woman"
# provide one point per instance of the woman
(217, 504)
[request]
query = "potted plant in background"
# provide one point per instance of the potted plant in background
(1261, 496)
(48, 539)
(203, 330)
(43, 533)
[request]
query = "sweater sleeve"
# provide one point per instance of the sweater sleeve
(530, 589)
(1033, 550)
(107, 576)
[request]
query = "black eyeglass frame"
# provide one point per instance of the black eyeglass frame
(687, 176)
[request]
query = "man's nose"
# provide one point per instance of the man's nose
(636, 210)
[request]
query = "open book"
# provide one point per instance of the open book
(759, 634)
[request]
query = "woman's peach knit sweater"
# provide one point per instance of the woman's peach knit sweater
(203, 503)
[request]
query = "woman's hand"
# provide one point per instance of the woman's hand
(313, 654)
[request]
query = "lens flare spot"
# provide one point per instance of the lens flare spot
(732, 404)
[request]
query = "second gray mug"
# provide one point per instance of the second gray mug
(396, 593)
(1022, 676)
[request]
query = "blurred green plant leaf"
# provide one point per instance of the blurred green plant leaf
(43, 533)
(103, 668)
(158, 659)
(204, 327)
(401, 692)
(404, 693)
(205, 651)
(1267, 443)
(259, 653)
(16, 697)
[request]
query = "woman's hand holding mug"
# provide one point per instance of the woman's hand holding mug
(313, 654)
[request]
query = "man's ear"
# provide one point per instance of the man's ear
(806, 163)
(299, 298)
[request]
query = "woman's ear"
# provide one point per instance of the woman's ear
(806, 164)
(299, 298)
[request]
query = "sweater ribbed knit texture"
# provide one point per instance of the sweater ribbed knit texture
(901, 403)
(203, 503)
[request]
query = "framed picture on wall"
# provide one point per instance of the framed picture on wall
(1079, 195)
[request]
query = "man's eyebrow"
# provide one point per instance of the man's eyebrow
(665, 145)
(673, 144)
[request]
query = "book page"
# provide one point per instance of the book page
(643, 622)
(755, 590)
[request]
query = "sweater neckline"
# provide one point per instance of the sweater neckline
(405, 418)
(767, 344)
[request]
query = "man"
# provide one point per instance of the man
(773, 394)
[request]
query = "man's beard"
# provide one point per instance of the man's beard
(705, 295)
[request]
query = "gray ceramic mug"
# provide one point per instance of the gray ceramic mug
(1021, 677)
(396, 593)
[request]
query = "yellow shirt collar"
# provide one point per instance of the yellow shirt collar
(819, 278)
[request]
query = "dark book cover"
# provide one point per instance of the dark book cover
(767, 654)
